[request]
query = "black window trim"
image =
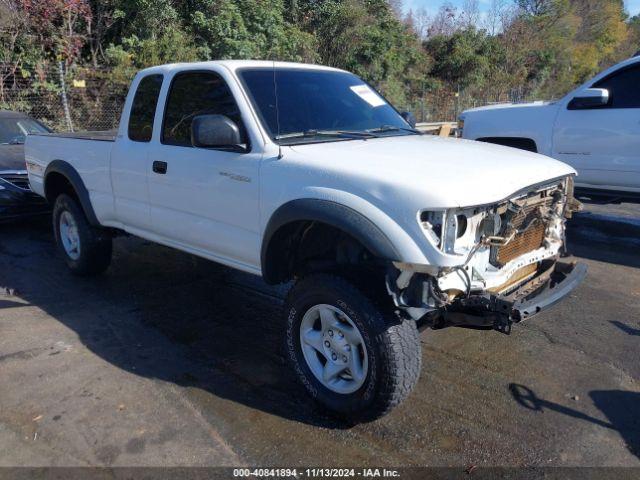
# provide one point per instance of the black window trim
(153, 123)
(608, 106)
(247, 149)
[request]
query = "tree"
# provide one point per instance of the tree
(540, 48)
(602, 30)
(537, 8)
(498, 17)
(421, 22)
(470, 14)
(397, 8)
(444, 23)
(102, 19)
(365, 37)
(462, 59)
(16, 47)
(633, 43)
(60, 26)
(248, 29)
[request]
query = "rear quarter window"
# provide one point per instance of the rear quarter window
(143, 109)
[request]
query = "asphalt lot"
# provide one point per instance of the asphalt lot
(171, 360)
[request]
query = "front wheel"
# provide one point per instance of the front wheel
(86, 249)
(352, 358)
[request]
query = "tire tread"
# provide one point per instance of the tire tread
(401, 359)
(96, 243)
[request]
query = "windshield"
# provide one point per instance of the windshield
(320, 105)
(15, 130)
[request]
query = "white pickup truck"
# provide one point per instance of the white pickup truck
(305, 174)
(595, 129)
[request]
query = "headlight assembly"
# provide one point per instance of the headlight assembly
(444, 228)
(432, 226)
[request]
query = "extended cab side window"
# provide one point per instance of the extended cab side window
(623, 86)
(143, 109)
(193, 94)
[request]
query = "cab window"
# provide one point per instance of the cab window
(623, 88)
(193, 94)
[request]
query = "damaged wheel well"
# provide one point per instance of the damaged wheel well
(319, 235)
(305, 246)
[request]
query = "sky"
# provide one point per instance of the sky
(633, 6)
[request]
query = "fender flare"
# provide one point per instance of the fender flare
(331, 213)
(73, 177)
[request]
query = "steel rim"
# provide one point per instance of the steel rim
(334, 349)
(69, 235)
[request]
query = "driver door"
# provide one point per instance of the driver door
(603, 143)
(205, 199)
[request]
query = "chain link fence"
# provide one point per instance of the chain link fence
(92, 99)
(446, 105)
(62, 99)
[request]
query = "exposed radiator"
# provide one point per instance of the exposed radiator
(531, 223)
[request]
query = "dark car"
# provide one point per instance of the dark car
(16, 198)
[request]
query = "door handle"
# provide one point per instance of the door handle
(160, 167)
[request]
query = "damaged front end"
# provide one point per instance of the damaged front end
(508, 266)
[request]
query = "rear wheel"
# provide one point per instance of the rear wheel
(352, 357)
(86, 249)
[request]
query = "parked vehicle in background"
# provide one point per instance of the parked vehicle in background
(595, 129)
(305, 174)
(16, 198)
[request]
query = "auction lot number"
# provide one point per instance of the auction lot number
(315, 472)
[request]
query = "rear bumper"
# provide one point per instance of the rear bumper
(530, 299)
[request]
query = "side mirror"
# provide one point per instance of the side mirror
(214, 131)
(590, 98)
(409, 118)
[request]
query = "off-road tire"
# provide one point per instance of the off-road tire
(95, 243)
(393, 348)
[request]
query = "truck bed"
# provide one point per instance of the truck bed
(88, 153)
(101, 136)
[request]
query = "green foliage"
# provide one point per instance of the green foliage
(245, 29)
(544, 49)
(146, 19)
(365, 37)
(464, 58)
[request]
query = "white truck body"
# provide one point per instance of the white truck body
(447, 224)
(601, 141)
(389, 180)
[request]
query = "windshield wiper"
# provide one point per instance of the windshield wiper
(391, 128)
(328, 133)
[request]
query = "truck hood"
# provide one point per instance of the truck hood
(432, 171)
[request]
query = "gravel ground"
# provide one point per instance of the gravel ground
(171, 360)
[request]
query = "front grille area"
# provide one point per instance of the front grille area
(20, 181)
(529, 220)
(530, 240)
